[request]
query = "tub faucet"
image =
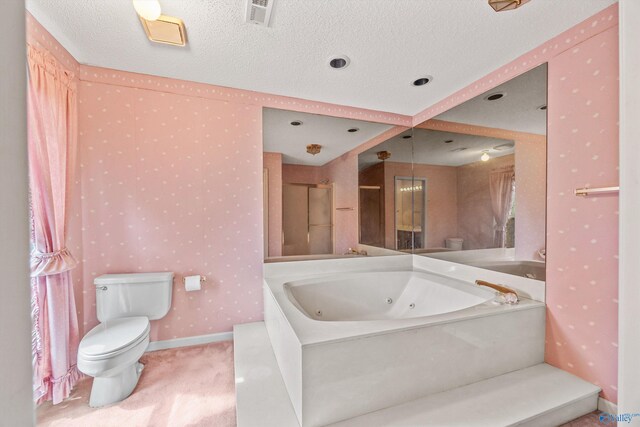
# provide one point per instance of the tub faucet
(508, 295)
(356, 252)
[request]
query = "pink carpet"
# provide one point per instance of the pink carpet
(191, 386)
(185, 387)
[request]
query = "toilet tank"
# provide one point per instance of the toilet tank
(134, 294)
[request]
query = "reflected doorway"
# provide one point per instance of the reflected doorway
(371, 215)
(307, 221)
(410, 212)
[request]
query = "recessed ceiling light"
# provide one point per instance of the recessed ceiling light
(455, 150)
(542, 107)
(296, 123)
(339, 62)
(422, 81)
(485, 156)
(406, 137)
(494, 96)
(352, 130)
(448, 141)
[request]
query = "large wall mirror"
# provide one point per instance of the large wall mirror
(310, 181)
(481, 171)
(467, 186)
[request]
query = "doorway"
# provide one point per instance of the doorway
(410, 212)
(307, 220)
(371, 215)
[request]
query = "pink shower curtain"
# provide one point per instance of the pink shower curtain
(501, 189)
(52, 120)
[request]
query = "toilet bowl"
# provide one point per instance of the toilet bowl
(454, 243)
(125, 303)
(110, 353)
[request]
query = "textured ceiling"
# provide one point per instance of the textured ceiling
(279, 136)
(390, 43)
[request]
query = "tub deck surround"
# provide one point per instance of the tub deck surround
(336, 370)
(539, 395)
(527, 288)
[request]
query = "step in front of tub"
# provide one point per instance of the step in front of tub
(537, 396)
(261, 396)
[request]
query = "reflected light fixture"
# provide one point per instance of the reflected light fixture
(504, 5)
(485, 156)
(314, 148)
(147, 9)
(383, 155)
(412, 188)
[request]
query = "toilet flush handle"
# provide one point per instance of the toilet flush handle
(102, 288)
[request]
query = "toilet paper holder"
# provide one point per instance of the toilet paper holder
(202, 279)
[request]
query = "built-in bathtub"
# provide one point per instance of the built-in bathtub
(349, 343)
(386, 295)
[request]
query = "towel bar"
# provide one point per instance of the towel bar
(601, 190)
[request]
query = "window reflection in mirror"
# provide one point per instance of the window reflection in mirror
(483, 165)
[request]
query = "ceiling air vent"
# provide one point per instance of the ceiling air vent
(259, 12)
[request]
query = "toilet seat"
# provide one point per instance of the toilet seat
(113, 337)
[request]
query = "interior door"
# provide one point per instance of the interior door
(371, 216)
(320, 221)
(295, 219)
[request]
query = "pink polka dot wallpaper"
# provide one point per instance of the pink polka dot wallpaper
(170, 178)
(173, 182)
(582, 232)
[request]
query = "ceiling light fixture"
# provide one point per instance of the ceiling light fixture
(422, 81)
(314, 148)
(503, 147)
(148, 9)
(296, 123)
(504, 5)
(485, 156)
(494, 96)
(352, 130)
(383, 155)
(339, 62)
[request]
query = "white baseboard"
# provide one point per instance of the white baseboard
(606, 406)
(189, 341)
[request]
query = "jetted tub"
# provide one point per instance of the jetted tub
(382, 296)
(350, 343)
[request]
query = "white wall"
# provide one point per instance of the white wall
(16, 407)
(629, 290)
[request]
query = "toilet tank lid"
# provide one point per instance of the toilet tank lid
(113, 279)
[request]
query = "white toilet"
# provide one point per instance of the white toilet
(454, 243)
(110, 352)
